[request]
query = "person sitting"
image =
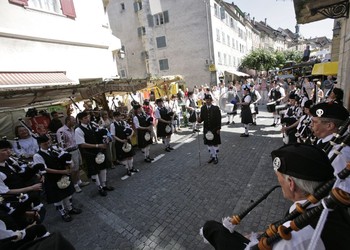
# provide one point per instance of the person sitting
(300, 169)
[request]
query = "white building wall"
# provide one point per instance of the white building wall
(33, 40)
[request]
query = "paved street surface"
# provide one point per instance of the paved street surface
(168, 201)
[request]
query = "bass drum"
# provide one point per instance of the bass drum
(271, 107)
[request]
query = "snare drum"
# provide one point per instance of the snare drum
(271, 107)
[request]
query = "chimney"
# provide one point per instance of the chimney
(253, 20)
(297, 29)
(265, 22)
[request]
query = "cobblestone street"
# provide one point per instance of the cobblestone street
(168, 201)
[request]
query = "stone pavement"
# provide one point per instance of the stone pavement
(168, 201)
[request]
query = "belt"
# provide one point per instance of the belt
(72, 149)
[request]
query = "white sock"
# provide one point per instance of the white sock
(216, 151)
(96, 179)
(103, 177)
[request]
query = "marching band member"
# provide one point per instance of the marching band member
(327, 117)
(122, 134)
(26, 145)
(211, 116)
(291, 116)
(255, 96)
(276, 94)
(14, 181)
(300, 169)
(303, 125)
(56, 170)
(246, 113)
(66, 139)
(232, 97)
(144, 125)
(92, 149)
(164, 121)
(191, 110)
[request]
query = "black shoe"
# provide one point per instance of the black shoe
(273, 125)
(102, 192)
(244, 135)
(128, 172)
(227, 123)
(211, 160)
(75, 211)
(232, 122)
(167, 149)
(134, 170)
(108, 188)
(254, 123)
(216, 160)
(147, 160)
(171, 148)
(66, 217)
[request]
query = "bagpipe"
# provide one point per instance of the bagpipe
(304, 134)
(8, 202)
(326, 197)
(103, 133)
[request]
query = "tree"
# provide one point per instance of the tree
(262, 59)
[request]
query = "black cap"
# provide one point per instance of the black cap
(5, 144)
(136, 107)
(308, 104)
(330, 110)
(207, 96)
(303, 161)
(292, 96)
(42, 139)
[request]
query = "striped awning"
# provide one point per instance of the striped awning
(16, 80)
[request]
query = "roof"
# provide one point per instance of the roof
(20, 80)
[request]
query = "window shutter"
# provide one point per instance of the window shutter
(136, 7)
(68, 8)
(150, 20)
(19, 2)
(139, 31)
(166, 16)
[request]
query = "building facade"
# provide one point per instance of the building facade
(70, 36)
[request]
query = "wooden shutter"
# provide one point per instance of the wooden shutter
(166, 16)
(136, 7)
(68, 8)
(150, 20)
(19, 2)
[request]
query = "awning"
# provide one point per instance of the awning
(327, 68)
(237, 73)
(19, 80)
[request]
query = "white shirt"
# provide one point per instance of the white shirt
(29, 147)
(3, 188)
(79, 135)
(301, 239)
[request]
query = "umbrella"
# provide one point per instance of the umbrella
(327, 68)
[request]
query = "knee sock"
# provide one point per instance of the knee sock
(96, 179)
(211, 151)
(246, 129)
(60, 208)
(103, 177)
(130, 163)
(216, 151)
(67, 203)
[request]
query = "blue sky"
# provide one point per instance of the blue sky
(280, 13)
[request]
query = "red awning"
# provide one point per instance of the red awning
(15, 80)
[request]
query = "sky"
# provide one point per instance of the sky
(281, 13)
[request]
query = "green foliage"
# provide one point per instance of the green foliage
(262, 59)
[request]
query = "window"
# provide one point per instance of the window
(218, 35)
(137, 6)
(216, 10)
(122, 73)
(225, 59)
(163, 64)
(228, 40)
(219, 58)
(122, 5)
(161, 42)
(229, 61)
(141, 31)
(223, 38)
(231, 22)
(161, 18)
(65, 7)
(233, 43)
